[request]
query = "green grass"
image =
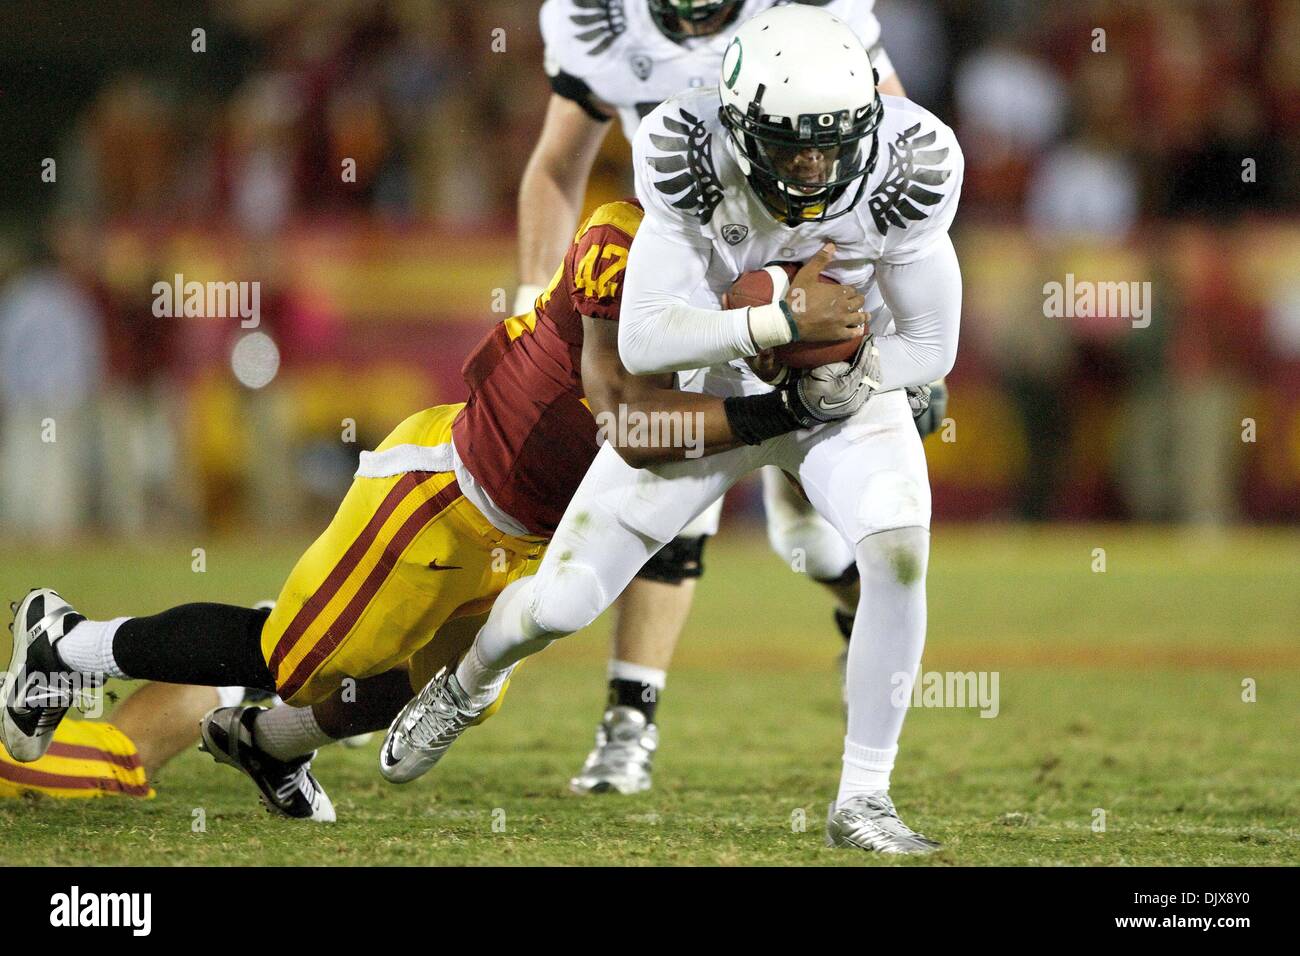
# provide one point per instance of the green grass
(1120, 691)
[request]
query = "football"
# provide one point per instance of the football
(766, 285)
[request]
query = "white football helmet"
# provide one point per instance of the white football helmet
(799, 98)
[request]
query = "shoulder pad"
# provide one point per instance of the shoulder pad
(918, 168)
(597, 23)
(686, 153)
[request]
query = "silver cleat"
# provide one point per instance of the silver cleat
(621, 760)
(870, 822)
(425, 728)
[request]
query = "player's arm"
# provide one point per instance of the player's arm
(892, 86)
(614, 391)
(718, 424)
(924, 296)
(553, 186)
(920, 282)
(661, 332)
(861, 18)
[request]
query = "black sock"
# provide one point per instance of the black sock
(844, 621)
(634, 694)
(843, 618)
(215, 645)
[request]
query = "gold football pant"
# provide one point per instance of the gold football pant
(404, 556)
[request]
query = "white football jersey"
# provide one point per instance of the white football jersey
(612, 51)
(689, 181)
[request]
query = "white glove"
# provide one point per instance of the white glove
(831, 392)
(929, 406)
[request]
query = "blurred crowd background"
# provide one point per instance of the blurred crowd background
(1113, 140)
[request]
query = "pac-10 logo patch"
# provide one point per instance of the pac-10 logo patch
(641, 66)
(734, 233)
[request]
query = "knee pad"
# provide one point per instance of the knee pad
(891, 499)
(567, 601)
(676, 561)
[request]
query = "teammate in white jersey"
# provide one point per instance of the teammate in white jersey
(793, 156)
(608, 58)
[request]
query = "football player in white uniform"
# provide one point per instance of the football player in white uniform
(794, 156)
(622, 58)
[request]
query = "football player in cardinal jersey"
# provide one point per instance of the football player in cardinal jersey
(610, 59)
(795, 156)
(456, 503)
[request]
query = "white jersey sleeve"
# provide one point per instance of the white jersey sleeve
(575, 34)
(659, 330)
(915, 202)
(924, 297)
(913, 207)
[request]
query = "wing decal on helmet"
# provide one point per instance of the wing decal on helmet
(600, 22)
(902, 194)
(690, 157)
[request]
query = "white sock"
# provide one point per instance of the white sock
(637, 674)
(510, 634)
(88, 647)
(286, 732)
(865, 770)
(231, 696)
(482, 684)
(888, 638)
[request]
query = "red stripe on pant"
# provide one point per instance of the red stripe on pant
(85, 752)
(347, 619)
(41, 778)
(317, 603)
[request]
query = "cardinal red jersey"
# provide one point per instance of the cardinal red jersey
(527, 434)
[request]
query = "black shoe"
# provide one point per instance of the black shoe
(288, 787)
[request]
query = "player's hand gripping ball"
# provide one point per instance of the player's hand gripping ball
(763, 287)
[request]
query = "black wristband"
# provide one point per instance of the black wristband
(756, 418)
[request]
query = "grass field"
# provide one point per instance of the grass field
(1119, 691)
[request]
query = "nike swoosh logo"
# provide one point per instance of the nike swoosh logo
(435, 566)
(831, 406)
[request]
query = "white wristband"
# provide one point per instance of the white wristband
(770, 326)
(525, 297)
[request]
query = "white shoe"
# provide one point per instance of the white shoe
(870, 822)
(623, 757)
(37, 689)
(427, 726)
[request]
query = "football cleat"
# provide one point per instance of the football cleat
(622, 758)
(37, 689)
(427, 726)
(288, 786)
(870, 822)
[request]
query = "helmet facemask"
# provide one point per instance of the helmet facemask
(799, 167)
(682, 19)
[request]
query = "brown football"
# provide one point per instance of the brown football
(757, 288)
